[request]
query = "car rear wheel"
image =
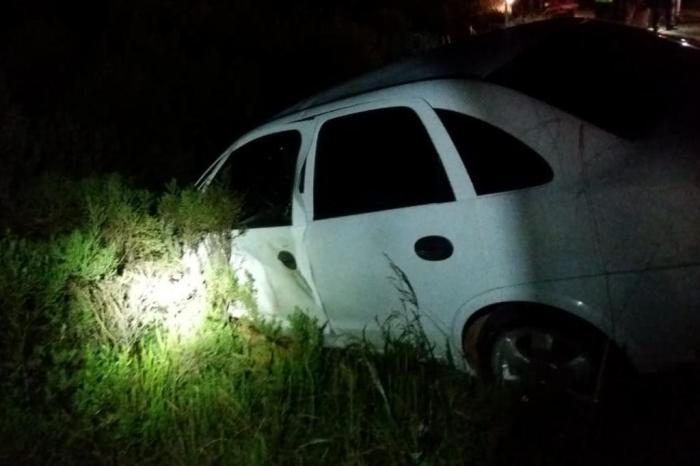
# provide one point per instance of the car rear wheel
(532, 360)
(532, 351)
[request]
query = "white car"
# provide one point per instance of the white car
(537, 187)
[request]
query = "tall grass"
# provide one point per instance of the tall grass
(116, 348)
(92, 370)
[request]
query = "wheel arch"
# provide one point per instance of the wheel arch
(474, 315)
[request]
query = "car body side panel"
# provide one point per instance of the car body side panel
(628, 212)
(646, 200)
(538, 233)
(661, 309)
(647, 203)
(639, 203)
(279, 289)
(613, 239)
(352, 263)
(351, 256)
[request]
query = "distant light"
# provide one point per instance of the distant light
(684, 43)
(510, 2)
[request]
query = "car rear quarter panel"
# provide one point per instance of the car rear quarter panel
(613, 239)
(646, 203)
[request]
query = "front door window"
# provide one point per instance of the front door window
(262, 173)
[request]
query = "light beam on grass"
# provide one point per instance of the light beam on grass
(171, 298)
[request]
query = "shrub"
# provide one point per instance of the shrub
(118, 347)
(70, 252)
(192, 214)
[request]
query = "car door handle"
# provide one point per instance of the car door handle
(434, 248)
(286, 258)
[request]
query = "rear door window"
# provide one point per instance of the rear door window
(376, 160)
(495, 160)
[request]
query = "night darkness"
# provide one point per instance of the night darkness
(156, 89)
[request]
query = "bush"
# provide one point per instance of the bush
(193, 214)
(117, 348)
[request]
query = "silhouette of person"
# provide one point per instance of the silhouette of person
(656, 6)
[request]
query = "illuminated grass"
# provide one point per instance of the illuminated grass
(116, 348)
(227, 401)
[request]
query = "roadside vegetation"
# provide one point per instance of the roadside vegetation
(115, 343)
(116, 348)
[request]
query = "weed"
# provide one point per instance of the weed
(193, 213)
(117, 348)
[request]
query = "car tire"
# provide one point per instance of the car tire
(540, 353)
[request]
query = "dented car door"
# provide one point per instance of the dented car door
(266, 250)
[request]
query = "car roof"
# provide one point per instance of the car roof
(479, 57)
(475, 58)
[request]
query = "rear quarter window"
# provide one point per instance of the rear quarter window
(495, 161)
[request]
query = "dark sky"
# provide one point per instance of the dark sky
(157, 88)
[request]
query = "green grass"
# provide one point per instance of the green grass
(92, 372)
(228, 401)
(116, 349)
